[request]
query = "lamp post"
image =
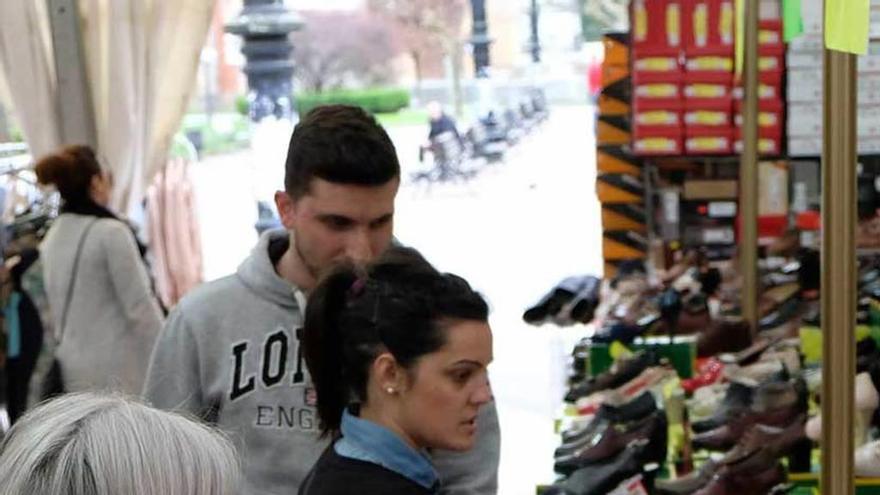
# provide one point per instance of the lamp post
(534, 45)
(265, 25)
(480, 39)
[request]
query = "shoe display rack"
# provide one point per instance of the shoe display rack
(739, 385)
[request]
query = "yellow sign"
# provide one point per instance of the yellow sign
(846, 25)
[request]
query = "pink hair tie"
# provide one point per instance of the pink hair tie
(357, 287)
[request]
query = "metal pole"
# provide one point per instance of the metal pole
(534, 40)
(75, 110)
(838, 271)
(480, 38)
(748, 171)
(265, 26)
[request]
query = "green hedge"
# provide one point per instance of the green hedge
(378, 100)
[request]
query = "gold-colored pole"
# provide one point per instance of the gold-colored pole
(838, 271)
(748, 170)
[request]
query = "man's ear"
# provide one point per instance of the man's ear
(286, 209)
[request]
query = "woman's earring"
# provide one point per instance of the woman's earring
(390, 390)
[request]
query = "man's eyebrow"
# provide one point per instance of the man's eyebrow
(383, 218)
(334, 217)
(470, 362)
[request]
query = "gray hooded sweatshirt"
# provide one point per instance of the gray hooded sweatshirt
(230, 354)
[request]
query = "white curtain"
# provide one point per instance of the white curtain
(5, 98)
(142, 57)
(28, 67)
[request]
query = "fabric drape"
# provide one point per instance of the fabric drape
(174, 232)
(28, 68)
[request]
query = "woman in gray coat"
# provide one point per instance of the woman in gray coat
(104, 312)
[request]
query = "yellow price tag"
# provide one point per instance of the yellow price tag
(619, 351)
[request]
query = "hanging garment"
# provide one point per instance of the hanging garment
(174, 233)
(25, 329)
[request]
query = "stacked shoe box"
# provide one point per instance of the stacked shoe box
(708, 77)
(619, 182)
(657, 77)
(805, 86)
(771, 67)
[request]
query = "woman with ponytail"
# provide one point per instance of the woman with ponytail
(397, 353)
(104, 313)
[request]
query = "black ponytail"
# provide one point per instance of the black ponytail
(323, 345)
(400, 304)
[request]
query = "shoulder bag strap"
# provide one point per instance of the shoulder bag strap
(67, 299)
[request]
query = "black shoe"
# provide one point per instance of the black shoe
(626, 332)
(783, 314)
(625, 371)
(550, 305)
(584, 304)
(601, 478)
(635, 410)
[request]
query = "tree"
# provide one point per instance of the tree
(337, 49)
(424, 26)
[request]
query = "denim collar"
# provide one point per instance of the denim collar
(366, 441)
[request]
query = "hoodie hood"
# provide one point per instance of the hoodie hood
(257, 271)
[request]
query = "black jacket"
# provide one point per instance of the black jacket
(337, 475)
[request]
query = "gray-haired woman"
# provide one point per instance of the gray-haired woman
(92, 444)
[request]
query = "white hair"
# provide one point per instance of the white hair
(107, 444)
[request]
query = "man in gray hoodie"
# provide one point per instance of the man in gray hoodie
(230, 351)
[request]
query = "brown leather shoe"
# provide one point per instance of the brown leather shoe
(614, 439)
(755, 475)
(779, 441)
(776, 405)
(690, 483)
(724, 335)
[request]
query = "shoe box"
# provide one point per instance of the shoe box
(700, 189)
(708, 222)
